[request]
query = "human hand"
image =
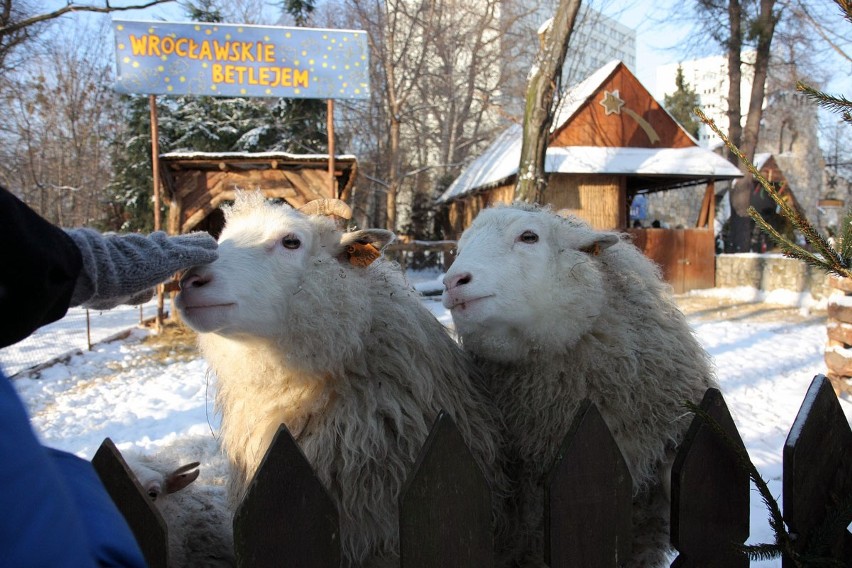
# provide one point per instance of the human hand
(123, 269)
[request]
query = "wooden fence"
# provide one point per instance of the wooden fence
(445, 504)
(422, 254)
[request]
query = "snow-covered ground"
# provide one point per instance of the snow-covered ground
(145, 397)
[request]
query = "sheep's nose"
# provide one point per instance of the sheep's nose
(454, 280)
(193, 280)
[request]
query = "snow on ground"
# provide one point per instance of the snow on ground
(145, 395)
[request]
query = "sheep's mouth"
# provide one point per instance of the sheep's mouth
(462, 304)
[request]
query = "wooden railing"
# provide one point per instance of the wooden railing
(420, 254)
(446, 493)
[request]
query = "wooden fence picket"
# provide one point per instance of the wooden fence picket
(445, 505)
(287, 518)
(588, 497)
(710, 492)
(144, 519)
(818, 474)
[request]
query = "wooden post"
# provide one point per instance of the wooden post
(330, 122)
(155, 164)
(708, 208)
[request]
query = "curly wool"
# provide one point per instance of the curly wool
(197, 517)
(612, 334)
(358, 369)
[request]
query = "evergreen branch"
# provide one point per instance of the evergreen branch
(845, 236)
(783, 541)
(820, 538)
(833, 103)
(779, 239)
(832, 261)
(792, 250)
(757, 552)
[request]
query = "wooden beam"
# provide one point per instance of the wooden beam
(332, 189)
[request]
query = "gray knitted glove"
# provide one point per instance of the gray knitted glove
(123, 269)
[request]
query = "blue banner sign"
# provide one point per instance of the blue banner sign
(228, 60)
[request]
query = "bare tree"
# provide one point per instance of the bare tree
(538, 115)
(21, 21)
(58, 119)
(400, 34)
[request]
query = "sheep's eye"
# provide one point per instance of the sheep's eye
(153, 494)
(291, 242)
(528, 237)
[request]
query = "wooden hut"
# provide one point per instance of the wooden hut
(196, 183)
(765, 205)
(610, 141)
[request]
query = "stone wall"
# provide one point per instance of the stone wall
(769, 272)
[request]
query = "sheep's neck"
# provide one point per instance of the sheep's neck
(260, 391)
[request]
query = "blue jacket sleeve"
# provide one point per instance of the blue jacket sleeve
(55, 512)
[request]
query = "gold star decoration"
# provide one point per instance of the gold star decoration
(612, 102)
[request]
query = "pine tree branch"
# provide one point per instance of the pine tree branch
(833, 103)
(783, 542)
(831, 260)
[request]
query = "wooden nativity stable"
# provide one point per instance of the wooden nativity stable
(610, 141)
(197, 183)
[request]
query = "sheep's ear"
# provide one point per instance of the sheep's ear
(181, 477)
(361, 248)
(598, 244)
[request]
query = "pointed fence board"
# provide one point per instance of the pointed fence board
(287, 518)
(445, 505)
(144, 519)
(818, 475)
(588, 497)
(710, 492)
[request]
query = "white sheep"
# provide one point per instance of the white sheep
(556, 312)
(300, 329)
(197, 516)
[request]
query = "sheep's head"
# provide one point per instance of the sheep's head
(525, 279)
(270, 259)
(156, 484)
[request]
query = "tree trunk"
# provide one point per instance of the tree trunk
(765, 29)
(740, 239)
(735, 46)
(393, 173)
(538, 112)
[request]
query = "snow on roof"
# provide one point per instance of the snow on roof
(252, 156)
(500, 161)
(687, 162)
(760, 159)
(580, 93)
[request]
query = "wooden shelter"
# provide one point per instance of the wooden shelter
(765, 205)
(197, 183)
(610, 141)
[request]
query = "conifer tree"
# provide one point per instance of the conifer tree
(681, 102)
(206, 124)
(130, 207)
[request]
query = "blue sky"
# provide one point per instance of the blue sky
(660, 37)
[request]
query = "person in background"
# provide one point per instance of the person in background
(56, 513)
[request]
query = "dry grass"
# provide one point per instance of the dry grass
(174, 342)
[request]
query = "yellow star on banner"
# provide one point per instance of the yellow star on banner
(612, 102)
